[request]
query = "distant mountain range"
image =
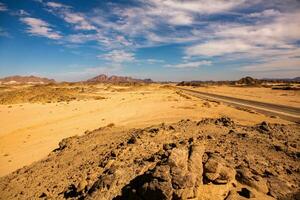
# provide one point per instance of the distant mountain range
(102, 78)
(248, 81)
(116, 79)
(296, 79)
(25, 80)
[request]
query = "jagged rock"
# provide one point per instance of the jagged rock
(43, 195)
(177, 177)
(225, 121)
(169, 146)
(264, 127)
(278, 188)
(244, 176)
(279, 147)
(71, 192)
(217, 171)
(132, 140)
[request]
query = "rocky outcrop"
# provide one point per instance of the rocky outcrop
(210, 159)
(116, 79)
(176, 176)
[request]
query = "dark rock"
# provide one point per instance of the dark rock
(225, 121)
(169, 146)
(264, 126)
(71, 192)
(132, 140)
(246, 193)
(43, 195)
(242, 135)
(191, 140)
(210, 137)
(171, 127)
(153, 130)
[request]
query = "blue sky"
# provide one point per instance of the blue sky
(159, 39)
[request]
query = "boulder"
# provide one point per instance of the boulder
(244, 176)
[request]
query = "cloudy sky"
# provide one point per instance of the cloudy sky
(160, 39)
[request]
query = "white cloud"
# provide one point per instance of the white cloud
(81, 38)
(219, 47)
(199, 6)
(39, 27)
(56, 5)
(78, 20)
(265, 13)
(274, 65)
(270, 43)
(153, 61)
(3, 7)
(118, 56)
(3, 33)
(194, 64)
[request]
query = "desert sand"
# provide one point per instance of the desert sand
(30, 131)
(33, 129)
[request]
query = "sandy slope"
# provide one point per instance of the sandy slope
(28, 132)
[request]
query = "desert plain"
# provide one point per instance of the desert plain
(136, 141)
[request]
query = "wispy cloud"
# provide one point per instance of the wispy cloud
(77, 19)
(193, 64)
(273, 35)
(39, 27)
(3, 7)
(219, 47)
(56, 5)
(3, 33)
(276, 65)
(118, 56)
(154, 61)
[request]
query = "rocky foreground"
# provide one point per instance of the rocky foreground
(209, 159)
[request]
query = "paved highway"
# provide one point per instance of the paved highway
(282, 111)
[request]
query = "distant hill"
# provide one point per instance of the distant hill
(248, 81)
(296, 79)
(117, 79)
(245, 81)
(25, 80)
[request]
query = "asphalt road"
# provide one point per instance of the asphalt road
(282, 111)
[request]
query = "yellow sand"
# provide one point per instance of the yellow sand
(28, 132)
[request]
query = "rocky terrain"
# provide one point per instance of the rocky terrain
(207, 159)
(25, 80)
(116, 79)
